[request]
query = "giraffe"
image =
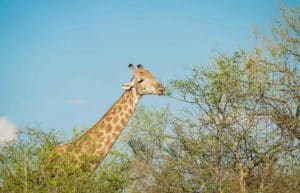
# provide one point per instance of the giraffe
(98, 140)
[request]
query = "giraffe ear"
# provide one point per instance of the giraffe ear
(127, 86)
(140, 66)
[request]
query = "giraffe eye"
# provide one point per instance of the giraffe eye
(141, 80)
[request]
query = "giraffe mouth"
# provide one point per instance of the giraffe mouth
(161, 91)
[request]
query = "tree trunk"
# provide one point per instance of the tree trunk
(242, 181)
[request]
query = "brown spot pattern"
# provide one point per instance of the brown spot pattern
(98, 134)
(118, 109)
(108, 141)
(114, 135)
(123, 121)
(108, 118)
(102, 138)
(99, 152)
(60, 150)
(116, 119)
(123, 100)
(118, 127)
(101, 125)
(110, 145)
(108, 128)
(88, 143)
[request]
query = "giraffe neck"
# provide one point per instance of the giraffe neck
(98, 140)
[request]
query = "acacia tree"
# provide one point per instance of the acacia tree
(281, 60)
(240, 128)
(146, 139)
(249, 104)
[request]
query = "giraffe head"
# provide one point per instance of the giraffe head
(143, 82)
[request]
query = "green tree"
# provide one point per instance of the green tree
(24, 167)
(248, 104)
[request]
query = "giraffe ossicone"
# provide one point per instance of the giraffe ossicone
(98, 140)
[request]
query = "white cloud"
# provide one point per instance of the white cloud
(76, 101)
(8, 131)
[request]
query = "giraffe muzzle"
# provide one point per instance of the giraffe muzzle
(161, 90)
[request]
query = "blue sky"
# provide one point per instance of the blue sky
(62, 62)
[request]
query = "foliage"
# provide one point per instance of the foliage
(240, 131)
(25, 168)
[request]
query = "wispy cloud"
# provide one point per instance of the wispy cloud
(76, 101)
(8, 131)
